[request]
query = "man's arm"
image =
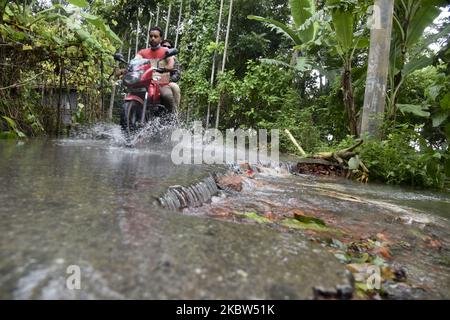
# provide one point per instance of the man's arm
(175, 75)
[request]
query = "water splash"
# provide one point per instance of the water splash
(158, 130)
(107, 132)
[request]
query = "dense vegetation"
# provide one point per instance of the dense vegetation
(286, 67)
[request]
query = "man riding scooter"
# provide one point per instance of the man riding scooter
(157, 53)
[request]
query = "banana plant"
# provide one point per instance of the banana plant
(302, 32)
(304, 28)
(343, 15)
(411, 18)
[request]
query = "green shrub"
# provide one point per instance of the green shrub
(404, 158)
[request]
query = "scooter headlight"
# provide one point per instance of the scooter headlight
(132, 78)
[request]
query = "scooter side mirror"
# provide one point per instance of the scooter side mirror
(119, 57)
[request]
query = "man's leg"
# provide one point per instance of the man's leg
(167, 98)
(176, 93)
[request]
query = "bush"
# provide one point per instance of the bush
(404, 158)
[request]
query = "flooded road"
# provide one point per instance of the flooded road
(96, 204)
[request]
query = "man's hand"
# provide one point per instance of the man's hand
(161, 70)
(120, 72)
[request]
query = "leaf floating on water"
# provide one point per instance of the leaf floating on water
(379, 261)
(361, 286)
(255, 217)
(362, 259)
(353, 163)
(433, 244)
(382, 237)
(296, 224)
(338, 244)
(342, 257)
(269, 215)
(308, 219)
(385, 252)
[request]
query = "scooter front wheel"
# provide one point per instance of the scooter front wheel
(130, 116)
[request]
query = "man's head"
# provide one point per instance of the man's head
(156, 34)
(167, 44)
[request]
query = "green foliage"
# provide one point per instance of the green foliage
(404, 158)
(79, 3)
(302, 125)
(342, 14)
(425, 96)
(13, 132)
(257, 97)
(411, 18)
(305, 28)
(48, 50)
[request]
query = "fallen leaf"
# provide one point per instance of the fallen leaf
(269, 215)
(385, 252)
(434, 244)
(300, 216)
(387, 273)
(382, 237)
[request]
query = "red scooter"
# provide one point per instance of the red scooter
(143, 99)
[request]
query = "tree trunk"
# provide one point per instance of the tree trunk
(377, 72)
(227, 37)
(349, 100)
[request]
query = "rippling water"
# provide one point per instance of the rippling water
(93, 201)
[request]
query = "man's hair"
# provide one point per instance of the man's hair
(157, 29)
(167, 41)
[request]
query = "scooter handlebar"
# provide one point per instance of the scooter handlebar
(160, 70)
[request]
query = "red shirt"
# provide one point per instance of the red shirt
(154, 56)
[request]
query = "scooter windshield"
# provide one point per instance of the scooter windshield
(136, 64)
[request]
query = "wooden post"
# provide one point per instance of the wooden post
(213, 69)
(102, 88)
(58, 119)
(111, 102)
(113, 90)
(180, 15)
(166, 32)
(148, 29)
(138, 26)
(224, 58)
(296, 144)
(157, 15)
(129, 45)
